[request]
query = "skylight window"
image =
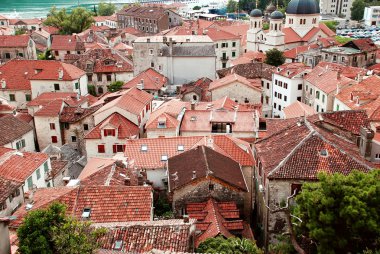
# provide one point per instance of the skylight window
(118, 244)
(86, 213)
(324, 153)
(181, 148)
(144, 148)
(164, 157)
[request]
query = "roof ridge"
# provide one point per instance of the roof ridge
(109, 177)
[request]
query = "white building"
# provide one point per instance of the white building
(287, 86)
(336, 7)
(301, 27)
(174, 57)
(372, 16)
(16, 134)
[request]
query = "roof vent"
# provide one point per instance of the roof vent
(3, 84)
(164, 157)
(28, 207)
(324, 153)
(60, 73)
(193, 118)
(144, 148)
(118, 245)
(181, 148)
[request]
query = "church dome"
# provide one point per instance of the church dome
(276, 15)
(303, 7)
(256, 13)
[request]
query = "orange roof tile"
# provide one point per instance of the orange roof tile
(298, 109)
(229, 79)
(14, 41)
(152, 79)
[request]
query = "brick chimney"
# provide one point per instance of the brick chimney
(365, 145)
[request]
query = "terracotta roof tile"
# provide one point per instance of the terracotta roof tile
(230, 79)
(206, 163)
(17, 166)
(151, 78)
(66, 42)
(141, 237)
(107, 203)
(249, 71)
(53, 108)
(125, 128)
(17, 73)
(347, 71)
(298, 109)
(8, 130)
(365, 44)
(75, 114)
(14, 41)
(7, 187)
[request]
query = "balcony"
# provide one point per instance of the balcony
(224, 58)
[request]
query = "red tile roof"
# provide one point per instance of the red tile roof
(297, 152)
(291, 70)
(133, 100)
(199, 87)
(364, 95)
(66, 42)
(365, 44)
(14, 41)
(291, 36)
(156, 147)
(206, 164)
(292, 53)
(152, 79)
(17, 73)
(70, 99)
(75, 114)
(52, 109)
(125, 128)
(7, 187)
(298, 109)
(12, 128)
(167, 112)
(347, 71)
(249, 71)
(215, 34)
(326, 30)
(169, 236)
(230, 79)
(17, 166)
(327, 80)
(107, 203)
(249, 57)
(215, 218)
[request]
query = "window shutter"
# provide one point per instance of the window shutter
(113, 132)
(123, 148)
(105, 133)
(114, 148)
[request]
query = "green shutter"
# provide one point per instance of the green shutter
(30, 183)
(46, 169)
(38, 174)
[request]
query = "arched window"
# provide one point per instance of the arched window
(100, 90)
(195, 97)
(255, 24)
(275, 27)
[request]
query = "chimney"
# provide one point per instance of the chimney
(186, 219)
(127, 181)
(193, 105)
(5, 242)
(338, 74)
(66, 180)
(194, 175)
(365, 144)
(60, 73)
(140, 85)
(164, 39)
(140, 179)
(3, 84)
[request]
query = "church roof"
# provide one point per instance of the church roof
(303, 7)
(256, 13)
(277, 15)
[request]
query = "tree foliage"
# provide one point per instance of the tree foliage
(232, 6)
(50, 231)
(342, 40)
(47, 55)
(197, 7)
(357, 10)
(331, 24)
(341, 213)
(68, 23)
(106, 9)
(231, 245)
(274, 57)
(115, 86)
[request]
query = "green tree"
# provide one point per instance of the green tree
(197, 7)
(34, 234)
(106, 9)
(75, 22)
(331, 24)
(265, 26)
(75, 237)
(341, 213)
(246, 5)
(91, 89)
(232, 6)
(357, 10)
(50, 231)
(274, 57)
(47, 55)
(342, 40)
(231, 245)
(21, 31)
(115, 86)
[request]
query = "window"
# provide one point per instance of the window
(54, 139)
(109, 132)
(216, 45)
(76, 85)
(3, 206)
(279, 107)
(274, 105)
(164, 157)
(86, 213)
(151, 52)
(7, 55)
(337, 107)
(28, 97)
(298, 98)
(30, 183)
(46, 168)
(317, 94)
(296, 188)
(180, 148)
(233, 44)
(144, 148)
(377, 156)
(152, 64)
(100, 77)
(73, 139)
(118, 245)
(285, 98)
(85, 127)
(109, 77)
(52, 126)
(323, 98)
(299, 86)
(224, 65)
(118, 148)
(211, 187)
(233, 53)
(334, 58)
(275, 94)
(12, 97)
(317, 108)
(268, 85)
(56, 53)
(56, 87)
(286, 85)
(20, 144)
(89, 77)
(101, 149)
(311, 90)
(38, 173)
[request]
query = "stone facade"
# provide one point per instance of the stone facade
(238, 92)
(28, 52)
